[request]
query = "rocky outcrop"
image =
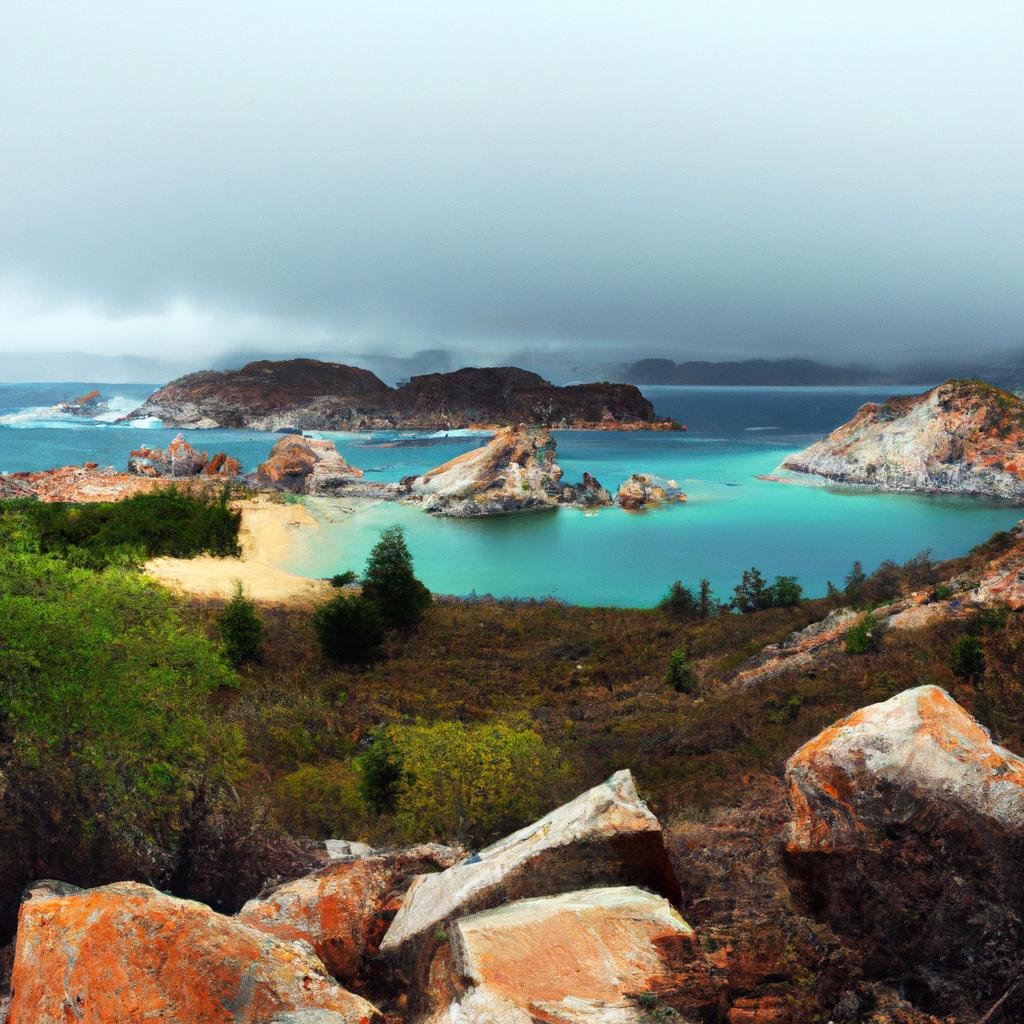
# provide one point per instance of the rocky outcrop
(86, 406)
(305, 465)
(75, 484)
(515, 472)
(126, 952)
(181, 461)
(600, 956)
(344, 909)
(962, 437)
(643, 489)
(306, 394)
(908, 836)
(605, 836)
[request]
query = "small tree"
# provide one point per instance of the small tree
(968, 658)
(241, 629)
(752, 593)
(865, 636)
(854, 583)
(679, 602)
(786, 592)
(706, 603)
(350, 629)
(680, 672)
(390, 583)
(344, 579)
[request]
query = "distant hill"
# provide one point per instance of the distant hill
(778, 372)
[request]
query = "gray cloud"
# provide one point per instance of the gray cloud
(708, 178)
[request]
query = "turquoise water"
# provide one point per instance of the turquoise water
(731, 522)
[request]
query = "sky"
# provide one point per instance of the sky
(189, 182)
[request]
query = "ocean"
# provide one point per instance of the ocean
(731, 522)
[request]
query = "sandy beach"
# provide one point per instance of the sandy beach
(265, 535)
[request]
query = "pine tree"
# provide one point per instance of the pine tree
(390, 583)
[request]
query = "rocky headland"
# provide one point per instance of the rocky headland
(306, 394)
(962, 437)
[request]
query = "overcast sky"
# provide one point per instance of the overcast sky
(704, 178)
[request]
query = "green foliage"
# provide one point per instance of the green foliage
(322, 801)
(349, 629)
(864, 636)
(164, 522)
(380, 771)
(390, 583)
(104, 688)
(754, 594)
(967, 658)
(786, 592)
(679, 602)
(344, 579)
(471, 783)
(241, 629)
(853, 587)
(680, 672)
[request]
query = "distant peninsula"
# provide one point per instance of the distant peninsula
(307, 394)
(758, 372)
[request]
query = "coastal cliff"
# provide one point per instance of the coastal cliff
(962, 437)
(306, 394)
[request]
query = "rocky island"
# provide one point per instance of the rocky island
(962, 437)
(307, 394)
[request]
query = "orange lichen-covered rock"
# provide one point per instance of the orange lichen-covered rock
(130, 954)
(603, 956)
(891, 762)
(643, 489)
(344, 909)
(306, 465)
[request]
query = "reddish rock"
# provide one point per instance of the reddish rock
(643, 489)
(180, 461)
(75, 484)
(343, 910)
(128, 953)
(306, 465)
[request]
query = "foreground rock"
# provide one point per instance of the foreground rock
(181, 461)
(344, 909)
(306, 394)
(644, 489)
(962, 437)
(600, 956)
(908, 833)
(605, 836)
(75, 484)
(125, 952)
(515, 472)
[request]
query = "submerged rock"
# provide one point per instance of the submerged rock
(605, 836)
(962, 437)
(126, 952)
(643, 489)
(599, 956)
(516, 471)
(344, 909)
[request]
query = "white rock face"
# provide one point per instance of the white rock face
(605, 835)
(909, 757)
(576, 958)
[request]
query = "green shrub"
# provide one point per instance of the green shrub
(344, 579)
(390, 583)
(864, 636)
(322, 801)
(680, 672)
(967, 658)
(241, 629)
(786, 592)
(380, 772)
(471, 783)
(679, 602)
(349, 629)
(752, 593)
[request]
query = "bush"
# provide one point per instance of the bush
(471, 783)
(865, 636)
(322, 801)
(853, 585)
(753, 594)
(344, 579)
(786, 592)
(679, 602)
(241, 629)
(380, 771)
(680, 672)
(967, 658)
(390, 583)
(349, 629)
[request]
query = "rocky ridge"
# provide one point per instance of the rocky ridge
(306, 394)
(962, 437)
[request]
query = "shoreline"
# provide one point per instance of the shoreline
(265, 535)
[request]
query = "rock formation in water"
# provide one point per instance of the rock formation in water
(181, 461)
(962, 437)
(515, 472)
(307, 465)
(87, 406)
(306, 394)
(644, 489)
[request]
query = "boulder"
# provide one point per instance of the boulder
(606, 836)
(180, 461)
(126, 952)
(305, 465)
(643, 489)
(344, 909)
(599, 956)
